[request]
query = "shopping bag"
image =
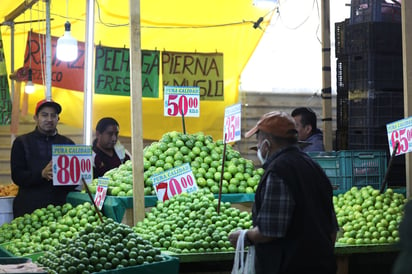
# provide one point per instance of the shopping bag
(242, 265)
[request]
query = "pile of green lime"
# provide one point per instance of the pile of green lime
(190, 223)
(365, 216)
(99, 248)
(46, 227)
(205, 158)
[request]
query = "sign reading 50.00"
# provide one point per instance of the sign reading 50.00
(71, 163)
(181, 100)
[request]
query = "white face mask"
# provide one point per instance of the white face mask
(259, 152)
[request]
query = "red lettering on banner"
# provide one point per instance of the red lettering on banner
(67, 75)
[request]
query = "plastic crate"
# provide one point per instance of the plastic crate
(340, 41)
(376, 37)
(342, 111)
(341, 139)
(342, 74)
(374, 109)
(374, 11)
(347, 168)
(364, 168)
(370, 71)
(367, 138)
(331, 164)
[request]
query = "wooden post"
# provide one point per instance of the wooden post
(326, 77)
(136, 111)
(15, 111)
(406, 11)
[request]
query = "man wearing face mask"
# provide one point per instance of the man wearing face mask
(294, 223)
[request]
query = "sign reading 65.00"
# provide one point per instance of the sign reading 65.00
(400, 132)
(71, 163)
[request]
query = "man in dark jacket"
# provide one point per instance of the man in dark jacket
(294, 223)
(31, 162)
(306, 125)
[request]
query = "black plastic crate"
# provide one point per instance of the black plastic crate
(376, 37)
(374, 11)
(397, 173)
(342, 110)
(341, 139)
(370, 71)
(342, 74)
(340, 41)
(367, 138)
(374, 108)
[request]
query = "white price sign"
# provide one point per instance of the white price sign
(178, 100)
(71, 163)
(174, 182)
(101, 190)
(400, 132)
(231, 127)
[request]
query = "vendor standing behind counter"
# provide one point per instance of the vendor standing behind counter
(31, 162)
(108, 152)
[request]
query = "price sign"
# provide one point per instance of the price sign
(181, 99)
(71, 163)
(173, 182)
(231, 127)
(401, 132)
(101, 190)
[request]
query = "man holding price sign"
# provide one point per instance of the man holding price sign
(180, 101)
(173, 182)
(31, 162)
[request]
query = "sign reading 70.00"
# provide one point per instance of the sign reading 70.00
(71, 163)
(173, 182)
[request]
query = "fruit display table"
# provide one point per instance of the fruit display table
(350, 259)
(119, 207)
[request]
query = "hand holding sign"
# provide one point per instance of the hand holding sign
(71, 163)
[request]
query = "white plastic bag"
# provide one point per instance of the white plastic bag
(240, 264)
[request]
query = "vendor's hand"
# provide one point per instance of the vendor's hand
(47, 172)
(233, 237)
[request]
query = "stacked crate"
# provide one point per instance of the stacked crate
(369, 77)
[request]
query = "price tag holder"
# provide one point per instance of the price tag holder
(232, 123)
(71, 163)
(400, 131)
(101, 191)
(174, 182)
(181, 99)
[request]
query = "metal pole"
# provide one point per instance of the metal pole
(88, 73)
(48, 52)
(12, 58)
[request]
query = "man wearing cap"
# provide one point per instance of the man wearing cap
(31, 162)
(294, 223)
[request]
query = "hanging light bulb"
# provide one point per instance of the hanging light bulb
(66, 49)
(29, 88)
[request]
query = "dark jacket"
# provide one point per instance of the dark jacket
(30, 153)
(307, 247)
(316, 142)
